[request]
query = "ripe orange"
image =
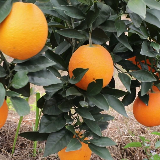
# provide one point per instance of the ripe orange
(24, 32)
(97, 59)
(155, 89)
(84, 153)
(148, 115)
(133, 60)
(3, 114)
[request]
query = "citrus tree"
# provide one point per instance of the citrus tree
(69, 106)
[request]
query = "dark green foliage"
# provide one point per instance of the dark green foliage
(66, 107)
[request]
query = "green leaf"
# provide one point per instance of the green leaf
(100, 101)
(133, 144)
(143, 75)
(156, 46)
(51, 106)
(129, 98)
(102, 117)
(157, 144)
(103, 142)
(152, 4)
(20, 105)
(5, 8)
(155, 157)
(2, 94)
(136, 19)
(94, 127)
(145, 87)
(25, 91)
(126, 80)
(2, 72)
(50, 124)
(53, 87)
(12, 94)
(92, 15)
(120, 27)
(70, 128)
(123, 39)
(60, 63)
(78, 74)
(137, 6)
(57, 141)
(73, 91)
(104, 13)
(71, 33)
(62, 47)
(141, 31)
(100, 151)
(19, 80)
(45, 7)
(144, 98)
(34, 136)
(73, 145)
(43, 78)
(84, 113)
(34, 64)
(156, 133)
(116, 104)
(103, 125)
(99, 36)
(108, 26)
(59, 3)
(71, 11)
(115, 92)
(152, 18)
(128, 65)
(54, 70)
(145, 50)
(65, 106)
(95, 87)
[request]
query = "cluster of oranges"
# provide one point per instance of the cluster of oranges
(148, 115)
(24, 33)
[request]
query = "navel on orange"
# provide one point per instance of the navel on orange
(3, 114)
(24, 31)
(97, 59)
(148, 115)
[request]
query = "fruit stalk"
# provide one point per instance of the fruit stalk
(90, 37)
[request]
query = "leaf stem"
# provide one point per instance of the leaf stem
(90, 37)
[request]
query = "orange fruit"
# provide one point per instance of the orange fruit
(97, 59)
(148, 115)
(84, 153)
(133, 60)
(24, 31)
(3, 114)
(155, 89)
